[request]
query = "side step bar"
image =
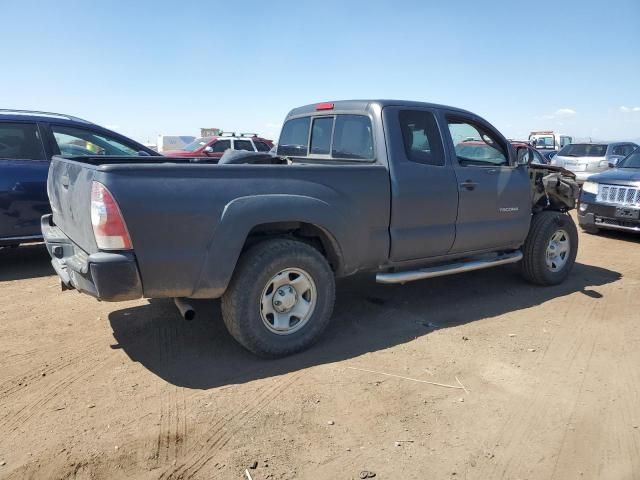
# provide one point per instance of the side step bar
(448, 269)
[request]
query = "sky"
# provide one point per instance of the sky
(145, 68)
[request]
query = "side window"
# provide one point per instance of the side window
(321, 136)
(617, 150)
(422, 142)
(475, 145)
(220, 146)
(261, 146)
(352, 138)
(294, 138)
(20, 141)
(243, 145)
(537, 158)
(78, 141)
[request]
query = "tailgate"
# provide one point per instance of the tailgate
(69, 190)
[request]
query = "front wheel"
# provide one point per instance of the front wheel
(280, 298)
(550, 249)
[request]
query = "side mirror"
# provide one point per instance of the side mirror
(208, 149)
(612, 165)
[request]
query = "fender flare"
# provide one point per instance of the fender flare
(242, 214)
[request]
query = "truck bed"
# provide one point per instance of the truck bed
(188, 221)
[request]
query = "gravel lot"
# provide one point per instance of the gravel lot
(128, 390)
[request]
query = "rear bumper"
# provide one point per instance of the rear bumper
(112, 277)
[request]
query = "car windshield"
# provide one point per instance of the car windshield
(632, 161)
(545, 142)
(196, 144)
(583, 150)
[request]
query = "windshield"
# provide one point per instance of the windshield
(196, 144)
(545, 142)
(632, 161)
(583, 150)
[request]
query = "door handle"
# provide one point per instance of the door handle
(492, 171)
(64, 179)
(469, 185)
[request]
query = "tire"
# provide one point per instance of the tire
(539, 265)
(263, 272)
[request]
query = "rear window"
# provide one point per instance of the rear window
(321, 136)
(352, 138)
(261, 146)
(583, 150)
(343, 137)
(20, 141)
(294, 138)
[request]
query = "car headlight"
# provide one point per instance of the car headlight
(590, 187)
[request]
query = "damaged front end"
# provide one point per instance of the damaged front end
(554, 188)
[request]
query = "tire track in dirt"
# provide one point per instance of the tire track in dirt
(227, 426)
(17, 383)
(36, 401)
(560, 363)
(172, 422)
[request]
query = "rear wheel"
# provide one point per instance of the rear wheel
(550, 249)
(280, 298)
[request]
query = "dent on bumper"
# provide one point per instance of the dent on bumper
(111, 277)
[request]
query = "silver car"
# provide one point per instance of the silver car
(586, 159)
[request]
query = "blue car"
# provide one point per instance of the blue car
(28, 140)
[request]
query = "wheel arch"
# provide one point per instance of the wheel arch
(246, 221)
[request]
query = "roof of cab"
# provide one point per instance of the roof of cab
(364, 105)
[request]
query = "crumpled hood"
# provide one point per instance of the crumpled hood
(618, 175)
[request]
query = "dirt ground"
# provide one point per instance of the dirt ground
(128, 390)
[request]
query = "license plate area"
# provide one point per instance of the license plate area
(628, 213)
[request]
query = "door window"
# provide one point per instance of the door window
(78, 141)
(220, 146)
(294, 138)
(475, 145)
(321, 136)
(422, 142)
(243, 145)
(20, 141)
(261, 146)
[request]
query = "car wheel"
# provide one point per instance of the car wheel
(280, 298)
(550, 249)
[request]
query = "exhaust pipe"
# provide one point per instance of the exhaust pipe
(186, 310)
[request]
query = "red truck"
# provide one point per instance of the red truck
(214, 147)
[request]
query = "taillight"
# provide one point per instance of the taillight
(108, 225)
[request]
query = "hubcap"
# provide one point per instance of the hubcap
(558, 250)
(288, 301)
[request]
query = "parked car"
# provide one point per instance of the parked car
(586, 159)
(357, 186)
(611, 200)
(28, 140)
(214, 147)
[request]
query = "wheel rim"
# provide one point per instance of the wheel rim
(558, 250)
(288, 300)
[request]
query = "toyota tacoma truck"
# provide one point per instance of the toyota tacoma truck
(379, 186)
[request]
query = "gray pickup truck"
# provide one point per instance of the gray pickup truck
(407, 190)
